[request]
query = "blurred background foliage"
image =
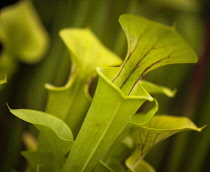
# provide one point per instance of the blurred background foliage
(189, 152)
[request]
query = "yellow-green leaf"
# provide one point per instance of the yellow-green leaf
(58, 134)
(87, 51)
(72, 101)
(22, 33)
(159, 128)
(150, 45)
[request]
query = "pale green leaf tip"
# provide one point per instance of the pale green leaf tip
(67, 137)
(198, 129)
(51, 87)
(158, 89)
(184, 123)
(8, 107)
(201, 128)
(171, 93)
(3, 81)
(195, 128)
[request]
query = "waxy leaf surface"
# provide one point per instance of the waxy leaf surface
(150, 45)
(108, 115)
(119, 93)
(72, 101)
(157, 89)
(87, 51)
(102, 167)
(123, 145)
(157, 129)
(58, 134)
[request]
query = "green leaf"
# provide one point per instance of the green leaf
(138, 119)
(72, 101)
(119, 93)
(142, 166)
(108, 115)
(50, 125)
(142, 118)
(157, 129)
(157, 89)
(21, 32)
(102, 167)
(150, 45)
(93, 53)
(58, 135)
(123, 145)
